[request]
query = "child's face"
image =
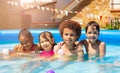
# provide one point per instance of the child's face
(69, 36)
(26, 42)
(45, 44)
(92, 34)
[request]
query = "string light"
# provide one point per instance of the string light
(43, 8)
(38, 7)
(61, 12)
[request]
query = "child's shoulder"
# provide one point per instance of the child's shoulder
(84, 41)
(102, 43)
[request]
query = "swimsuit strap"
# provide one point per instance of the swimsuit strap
(32, 49)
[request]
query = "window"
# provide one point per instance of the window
(31, 3)
(115, 4)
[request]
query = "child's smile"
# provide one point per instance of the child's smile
(45, 44)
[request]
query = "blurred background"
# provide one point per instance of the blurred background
(35, 14)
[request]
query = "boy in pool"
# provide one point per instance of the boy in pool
(70, 31)
(94, 47)
(26, 42)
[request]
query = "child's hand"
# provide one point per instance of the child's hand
(80, 52)
(58, 46)
(18, 48)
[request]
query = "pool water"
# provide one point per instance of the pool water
(110, 64)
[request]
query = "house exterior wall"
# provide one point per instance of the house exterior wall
(97, 10)
(10, 16)
(13, 17)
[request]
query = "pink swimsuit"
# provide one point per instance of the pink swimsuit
(47, 53)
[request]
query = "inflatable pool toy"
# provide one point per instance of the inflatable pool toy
(60, 52)
(50, 71)
(5, 51)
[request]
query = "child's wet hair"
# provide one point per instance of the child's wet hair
(93, 24)
(25, 32)
(46, 35)
(71, 24)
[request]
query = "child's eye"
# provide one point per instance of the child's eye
(89, 32)
(23, 43)
(66, 34)
(95, 33)
(43, 41)
(71, 34)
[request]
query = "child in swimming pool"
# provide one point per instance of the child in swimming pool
(25, 48)
(70, 31)
(94, 47)
(26, 42)
(46, 44)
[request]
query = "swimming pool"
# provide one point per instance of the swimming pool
(110, 64)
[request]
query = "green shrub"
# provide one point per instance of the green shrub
(114, 25)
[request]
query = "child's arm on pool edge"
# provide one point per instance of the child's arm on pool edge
(102, 50)
(18, 48)
(80, 52)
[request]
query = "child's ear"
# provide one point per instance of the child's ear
(31, 38)
(52, 40)
(98, 33)
(77, 37)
